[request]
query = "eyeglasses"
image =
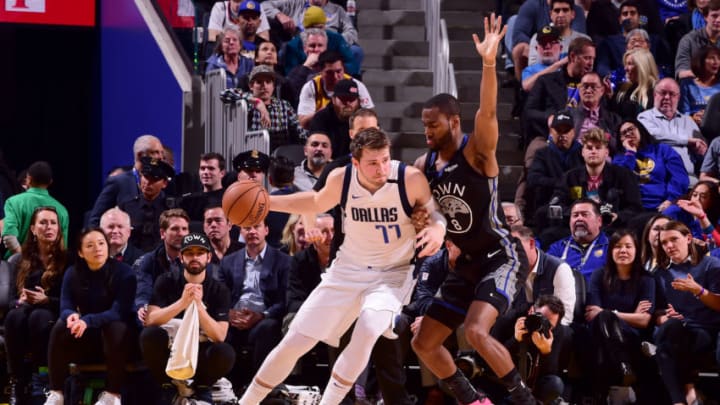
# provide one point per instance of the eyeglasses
(590, 86)
(628, 131)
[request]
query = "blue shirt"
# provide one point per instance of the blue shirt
(695, 313)
(251, 297)
(624, 297)
(532, 69)
(101, 296)
(693, 97)
(660, 172)
(583, 259)
(245, 65)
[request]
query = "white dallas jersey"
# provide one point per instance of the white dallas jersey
(379, 233)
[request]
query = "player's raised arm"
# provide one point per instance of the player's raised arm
(480, 151)
(311, 202)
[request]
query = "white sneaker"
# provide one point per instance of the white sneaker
(620, 395)
(55, 398)
(107, 398)
(648, 349)
(222, 391)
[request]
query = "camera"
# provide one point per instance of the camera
(537, 322)
(606, 211)
(468, 362)
(555, 210)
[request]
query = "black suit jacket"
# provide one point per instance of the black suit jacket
(304, 277)
(548, 96)
(131, 254)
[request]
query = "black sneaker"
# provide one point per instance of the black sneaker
(522, 395)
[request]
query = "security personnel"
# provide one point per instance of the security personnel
(145, 209)
(252, 165)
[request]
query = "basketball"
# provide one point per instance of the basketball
(246, 203)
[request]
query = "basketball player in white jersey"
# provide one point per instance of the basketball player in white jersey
(371, 277)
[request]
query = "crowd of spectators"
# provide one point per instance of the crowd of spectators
(618, 213)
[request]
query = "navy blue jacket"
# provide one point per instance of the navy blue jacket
(273, 279)
(117, 189)
(148, 268)
(100, 296)
(695, 313)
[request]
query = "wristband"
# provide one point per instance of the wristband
(699, 295)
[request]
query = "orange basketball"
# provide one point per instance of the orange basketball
(246, 203)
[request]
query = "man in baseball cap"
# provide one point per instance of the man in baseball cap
(195, 239)
(261, 71)
(562, 121)
(173, 292)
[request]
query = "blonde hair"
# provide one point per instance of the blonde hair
(647, 75)
(595, 135)
(288, 238)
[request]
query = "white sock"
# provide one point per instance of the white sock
(254, 394)
(334, 392)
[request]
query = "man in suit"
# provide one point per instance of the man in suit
(257, 279)
(124, 186)
(115, 223)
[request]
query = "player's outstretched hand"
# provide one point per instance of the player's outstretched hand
(430, 240)
(494, 33)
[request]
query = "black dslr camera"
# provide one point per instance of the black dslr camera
(537, 322)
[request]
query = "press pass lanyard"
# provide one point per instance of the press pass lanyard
(587, 253)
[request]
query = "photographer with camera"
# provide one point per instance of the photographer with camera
(542, 347)
(548, 276)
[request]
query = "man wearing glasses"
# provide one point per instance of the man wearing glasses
(591, 113)
(547, 56)
(669, 126)
(555, 91)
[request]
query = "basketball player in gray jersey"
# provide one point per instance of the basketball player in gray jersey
(462, 171)
(371, 277)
